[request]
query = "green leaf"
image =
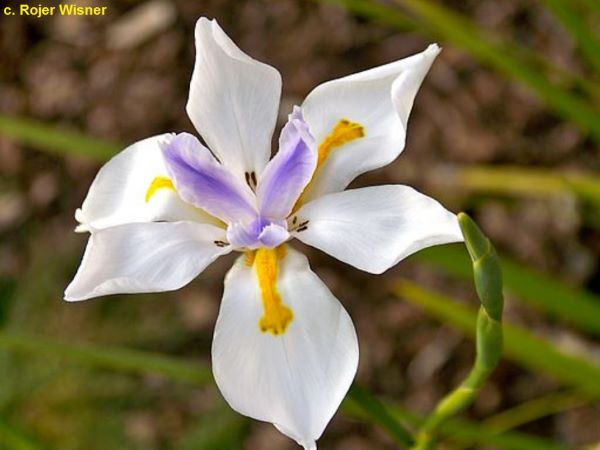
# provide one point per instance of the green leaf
(15, 439)
(358, 399)
(222, 429)
(359, 403)
(525, 181)
(459, 30)
(592, 6)
(53, 139)
(470, 434)
(134, 361)
(535, 409)
(576, 25)
(520, 345)
(548, 294)
(525, 67)
(377, 13)
(461, 431)
(142, 362)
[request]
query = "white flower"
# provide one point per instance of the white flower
(284, 349)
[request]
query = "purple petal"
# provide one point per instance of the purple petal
(290, 170)
(259, 233)
(202, 181)
(273, 235)
(242, 236)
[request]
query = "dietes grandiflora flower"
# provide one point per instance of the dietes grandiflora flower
(284, 350)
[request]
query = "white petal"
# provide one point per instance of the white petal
(375, 227)
(118, 194)
(145, 257)
(233, 100)
(295, 380)
(380, 100)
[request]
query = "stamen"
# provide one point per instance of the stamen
(251, 179)
(344, 132)
(220, 243)
(277, 316)
(300, 226)
(158, 183)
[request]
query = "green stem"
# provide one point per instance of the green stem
(472, 434)
(547, 293)
(520, 345)
(488, 283)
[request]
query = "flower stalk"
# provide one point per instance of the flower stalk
(488, 284)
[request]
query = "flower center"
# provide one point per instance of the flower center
(276, 316)
(344, 131)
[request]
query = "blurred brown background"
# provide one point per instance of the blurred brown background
(124, 76)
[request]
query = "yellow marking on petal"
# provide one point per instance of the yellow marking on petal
(281, 251)
(277, 316)
(344, 132)
(158, 183)
(250, 256)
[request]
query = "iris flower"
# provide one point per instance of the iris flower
(284, 349)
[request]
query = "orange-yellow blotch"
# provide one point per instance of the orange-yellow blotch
(158, 183)
(345, 131)
(276, 316)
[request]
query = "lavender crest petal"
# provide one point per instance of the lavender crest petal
(241, 236)
(290, 170)
(273, 235)
(202, 181)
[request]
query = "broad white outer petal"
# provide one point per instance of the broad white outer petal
(296, 380)
(380, 99)
(374, 228)
(144, 257)
(118, 194)
(233, 100)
